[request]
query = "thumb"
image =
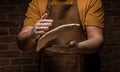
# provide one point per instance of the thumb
(72, 43)
(44, 16)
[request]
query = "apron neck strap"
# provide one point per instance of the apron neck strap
(74, 1)
(48, 8)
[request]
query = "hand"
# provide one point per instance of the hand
(70, 48)
(42, 25)
(72, 43)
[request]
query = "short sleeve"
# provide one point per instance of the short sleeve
(32, 14)
(95, 14)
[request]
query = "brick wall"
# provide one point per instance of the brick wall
(11, 19)
(14, 60)
(111, 50)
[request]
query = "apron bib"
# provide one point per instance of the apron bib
(57, 62)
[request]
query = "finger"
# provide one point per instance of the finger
(39, 32)
(44, 24)
(42, 28)
(45, 21)
(72, 43)
(44, 16)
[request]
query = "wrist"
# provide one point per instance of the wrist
(34, 36)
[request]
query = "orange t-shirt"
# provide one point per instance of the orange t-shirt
(91, 12)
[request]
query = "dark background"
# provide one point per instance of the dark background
(14, 60)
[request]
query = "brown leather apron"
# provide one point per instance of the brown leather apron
(52, 61)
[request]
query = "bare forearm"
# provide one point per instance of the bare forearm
(90, 46)
(26, 41)
(30, 34)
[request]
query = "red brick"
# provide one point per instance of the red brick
(3, 2)
(113, 28)
(4, 32)
(116, 63)
(115, 20)
(14, 31)
(29, 54)
(111, 0)
(7, 39)
(112, 43)
(114, 35)
(22, 61)
(116, 4)
(13, 9)
(4, 62)
(36, 60)
(113, 39)
(19, 16)
(9, 24)
(116, 56)
(4, 9)
(107, 59)
(30, 68)
(107, 20)
(106, 50)
(11, 69)
(113, 12)
(14, 46)
(3, 16)
(116, 51)
(4, 47)
(107, 70)
(116, 70)
(16, 2)
(10, 54)
(21, 24)
(108, 35)
(107, 5)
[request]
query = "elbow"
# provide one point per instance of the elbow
(21, 43)
(22, 46)
(100, 42)
(97, 46)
